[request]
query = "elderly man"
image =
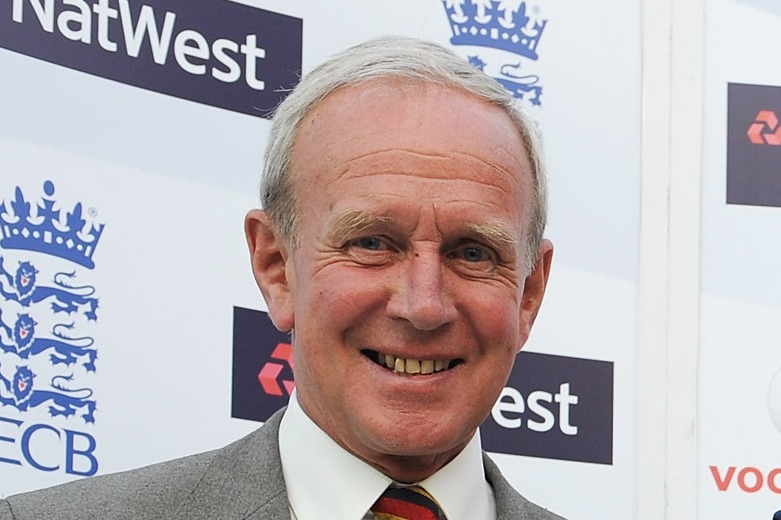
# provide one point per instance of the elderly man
(400, 241)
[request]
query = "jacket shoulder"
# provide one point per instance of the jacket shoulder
(511, 505)
(219, 478)
(138, 493)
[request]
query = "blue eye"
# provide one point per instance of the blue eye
(372, 243)
(473, 254)
(370, 250)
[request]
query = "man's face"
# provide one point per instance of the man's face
(414, 205)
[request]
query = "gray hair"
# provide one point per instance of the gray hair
(388, 57)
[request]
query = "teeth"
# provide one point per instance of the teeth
(414, 366)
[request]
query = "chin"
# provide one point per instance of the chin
(420, 441)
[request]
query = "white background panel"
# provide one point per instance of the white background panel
(740, 313)
(172, 180)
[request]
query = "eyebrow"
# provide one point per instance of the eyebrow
(495, 234)
(355, 222)
(352, 222)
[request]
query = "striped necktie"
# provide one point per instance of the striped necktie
(406, 503)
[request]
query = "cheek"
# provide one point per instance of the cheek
(497, 321)
(328, 304)
(338, 295)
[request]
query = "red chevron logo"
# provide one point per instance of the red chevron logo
(269, 375)
(765, 129)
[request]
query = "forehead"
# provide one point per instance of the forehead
(408, 127)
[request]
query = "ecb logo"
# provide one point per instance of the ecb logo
(504, 36)
(48, 312)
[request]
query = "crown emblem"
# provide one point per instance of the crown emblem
(494, 24)
(42, 229)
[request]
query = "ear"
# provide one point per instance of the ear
(269, 255)
(534, 289)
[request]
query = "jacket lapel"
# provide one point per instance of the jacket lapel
(243, 481)
(510, 505)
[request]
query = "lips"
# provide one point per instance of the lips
(411, 366)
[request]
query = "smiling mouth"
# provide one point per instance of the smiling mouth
(411, 366)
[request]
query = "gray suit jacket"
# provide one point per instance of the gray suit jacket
(240, 481)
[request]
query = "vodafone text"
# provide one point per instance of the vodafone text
(47, 448)
(114, 22)
(511, 406)
(748, 479)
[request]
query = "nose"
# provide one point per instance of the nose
(420, 297)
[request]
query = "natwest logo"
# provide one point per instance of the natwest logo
(753, 144)
(219, 53)
(262, 366)
(555, 407)
(765, 129)
(545, 410)
(270, 376)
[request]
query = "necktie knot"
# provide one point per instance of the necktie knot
(406, 503)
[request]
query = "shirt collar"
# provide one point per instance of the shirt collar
(460, 487)
(322, 479)
(325, 481)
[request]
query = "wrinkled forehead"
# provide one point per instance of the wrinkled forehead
(400, 114)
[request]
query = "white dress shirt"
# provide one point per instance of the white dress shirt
(325, 481)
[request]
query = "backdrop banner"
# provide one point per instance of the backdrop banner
(131, 141)
(740, 358)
